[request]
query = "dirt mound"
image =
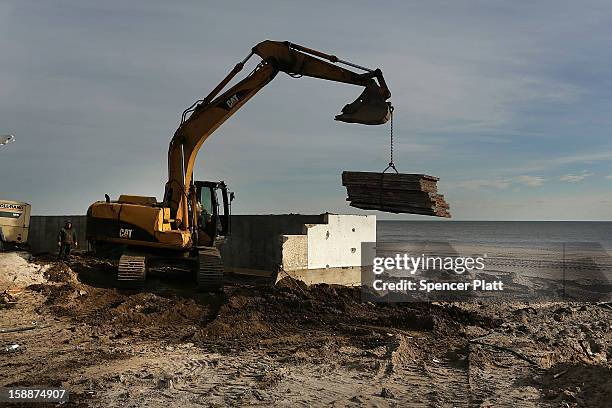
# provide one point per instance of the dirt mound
(243, 314)
(253, 313)
(60, 272)
(119, 312)
(94, 271)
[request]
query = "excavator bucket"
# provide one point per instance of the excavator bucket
(369, 109)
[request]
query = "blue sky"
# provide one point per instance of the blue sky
(507, 102)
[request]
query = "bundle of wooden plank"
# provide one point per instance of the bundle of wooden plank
(395, 192)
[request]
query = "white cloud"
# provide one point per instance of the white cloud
(552, 163)
(482, 183)
(501, 183)
(609, 177)
(575, 178)
(531, 181)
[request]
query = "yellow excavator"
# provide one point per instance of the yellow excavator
(186, 226)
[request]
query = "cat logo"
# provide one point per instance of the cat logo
(232, 101)
(125, 233)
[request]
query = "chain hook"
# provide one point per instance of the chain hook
(391, 163)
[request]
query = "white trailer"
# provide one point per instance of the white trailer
(14, 223)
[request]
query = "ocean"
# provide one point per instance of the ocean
(516, 234)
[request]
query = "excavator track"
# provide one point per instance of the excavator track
(132, 270)
(210, 269)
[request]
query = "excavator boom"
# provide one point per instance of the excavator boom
(201, 119)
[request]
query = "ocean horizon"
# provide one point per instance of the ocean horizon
(510, 233)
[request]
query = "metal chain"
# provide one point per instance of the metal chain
(391, 164)
(391, 156)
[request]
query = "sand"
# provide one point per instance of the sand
(292, 345)
(16, 272)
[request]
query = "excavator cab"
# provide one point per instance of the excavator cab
(213, 211)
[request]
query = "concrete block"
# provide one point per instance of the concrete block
(337, 242)
(255, 245)
(294, 252)
(328, 252)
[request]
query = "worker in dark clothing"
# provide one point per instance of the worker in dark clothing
(66, 239)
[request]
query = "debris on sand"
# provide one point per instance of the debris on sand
(11, 348)
(578, 385)
(8, 298)
(386, 393)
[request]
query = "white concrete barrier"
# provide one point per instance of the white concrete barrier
(337, 243)
(329, 252)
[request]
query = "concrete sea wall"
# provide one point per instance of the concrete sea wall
(44, 230)
(306, 247)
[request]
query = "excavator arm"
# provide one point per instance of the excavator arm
(201, 119)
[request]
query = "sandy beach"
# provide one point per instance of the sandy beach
(293, 345)
(546, 272)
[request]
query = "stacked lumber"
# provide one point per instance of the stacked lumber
(396, 193)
